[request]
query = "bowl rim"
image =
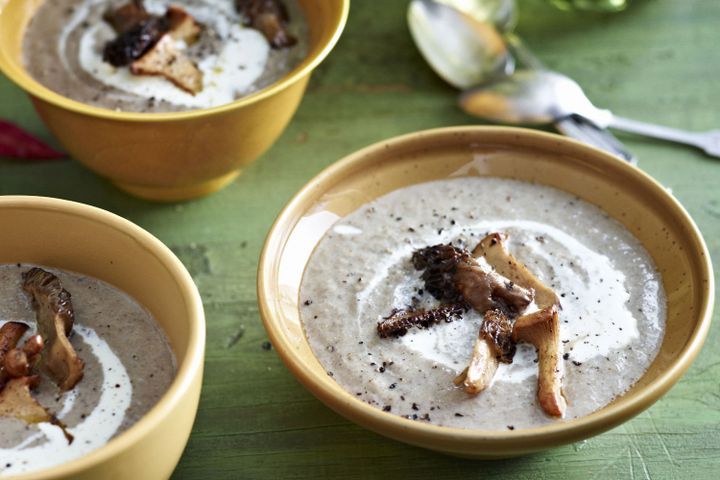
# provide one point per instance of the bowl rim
(18, 74)
(187, 371)
(532, 439)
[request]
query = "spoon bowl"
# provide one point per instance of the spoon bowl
(531, 97)
(460, 48)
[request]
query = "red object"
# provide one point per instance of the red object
(17, 143)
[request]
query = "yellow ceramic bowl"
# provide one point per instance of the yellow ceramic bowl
(625, 192)
(85, 239)
(171, 156)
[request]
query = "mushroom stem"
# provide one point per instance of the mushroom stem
(493, 345)
(482, 367)
(541, 329)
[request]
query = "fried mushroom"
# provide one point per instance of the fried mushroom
(16, 401)
(135, 42)
(10, 335)
(487, 290)
(542, 329)
(165, 60)
(399, 321)
(182, 25)
(127, 16)
(493, 249)
(20, 362)
(439, 264)
(270, 17)
(493, 345)
(55, 318)
(452, 275)
(139, 32)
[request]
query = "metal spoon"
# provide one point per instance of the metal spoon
(467, 42)
(541, 97)
(463, 50)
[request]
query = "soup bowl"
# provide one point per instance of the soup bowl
(90, 241)
(179, 155)
(637, 201)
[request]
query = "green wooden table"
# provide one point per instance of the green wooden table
(658, 61)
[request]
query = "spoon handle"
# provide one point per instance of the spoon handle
(708, 141)
(584, 130)
(573, 126)
(522, 53)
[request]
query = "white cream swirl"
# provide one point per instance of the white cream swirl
(228, 71)
(594, 320)
(48, 447)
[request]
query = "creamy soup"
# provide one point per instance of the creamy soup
(611, 322)
(63, 50)
(128, 366)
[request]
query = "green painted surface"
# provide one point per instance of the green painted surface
(657, 61)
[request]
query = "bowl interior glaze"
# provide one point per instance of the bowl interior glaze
(642, 205)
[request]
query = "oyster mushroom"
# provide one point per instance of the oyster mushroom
(182, 25)
(492, 248)
(19, 362)
(127, 16)
(493, 345)
(485, 289)
(165, 60)
(16, 364)
(488, 352)
(135, 42)
(55, 318)
(270, 17)
(541, 329)
(16, 401)
(10, 335)
(146, 43)
(452, 275)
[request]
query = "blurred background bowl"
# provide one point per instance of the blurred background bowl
(84, 239)
(630, 196)
(171, 156)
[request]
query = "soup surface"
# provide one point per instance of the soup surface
(63, 50)
(612, 313)
(128, 366)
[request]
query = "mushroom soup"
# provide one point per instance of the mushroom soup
(163, 55)
(482, 303)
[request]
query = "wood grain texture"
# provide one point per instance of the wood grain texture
(658, 61)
